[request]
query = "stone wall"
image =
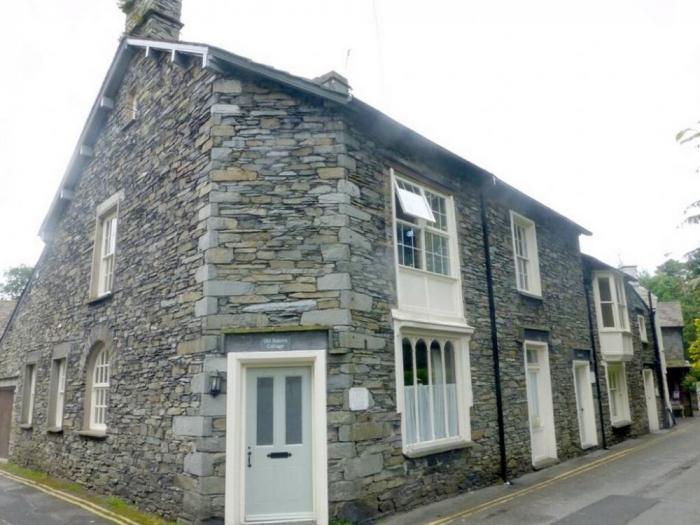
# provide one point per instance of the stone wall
(673, 344)
(156, 160)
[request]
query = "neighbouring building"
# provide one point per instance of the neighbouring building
(670, 317)
(261, 299)
(630, 358)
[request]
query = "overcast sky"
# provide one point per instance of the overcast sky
(574, 102)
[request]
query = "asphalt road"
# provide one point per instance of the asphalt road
(22, 505)
(647, 481)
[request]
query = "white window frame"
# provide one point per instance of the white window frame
(100, 371)
(28, 395)
(531, 259)
(622, 416)
(460, 341)
(642, 324)
(425, 223)
(105, 247)
(58, 393)
(619, 304)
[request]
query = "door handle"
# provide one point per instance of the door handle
(249, 454)
(279, 455)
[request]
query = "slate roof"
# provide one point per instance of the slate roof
(669, 314)
(374, 121)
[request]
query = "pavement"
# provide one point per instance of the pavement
(646, 481)
(24, 505)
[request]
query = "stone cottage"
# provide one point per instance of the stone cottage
(630, 357)
(261, 299)
(671, 323)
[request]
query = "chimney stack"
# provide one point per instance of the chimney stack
(335, 82)
(631, 270)
(156, 19)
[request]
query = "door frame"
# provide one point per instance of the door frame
(9, 385)
(579, 363)
(547, 407)
(237, 364)
(650, 394)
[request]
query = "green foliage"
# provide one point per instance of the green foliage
(14, 281)
(694, 352)
(339, 522)
(677, 281)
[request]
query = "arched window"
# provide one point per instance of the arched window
(97, 383)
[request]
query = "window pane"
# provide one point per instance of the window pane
(523, 273)
(604, 289)
(531, 356)
(520, 241)
(451, 390)
(534, 391)
(425, 430)
(265, 411)
(407, 363)
(437, 254)
(439, 208)
(414, 204)
(400, 215)
(409, 394)
(293, 410)
(408, 239)
(606, 309)
(438, 390)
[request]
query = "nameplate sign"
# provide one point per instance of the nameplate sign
(582, 355)
(277, 342)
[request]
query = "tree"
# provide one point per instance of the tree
(14, 281)
(675, 281)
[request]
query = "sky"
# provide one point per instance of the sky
(576, 103)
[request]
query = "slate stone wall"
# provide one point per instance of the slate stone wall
(248, 206)
(156, 161)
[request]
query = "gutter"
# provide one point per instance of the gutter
(591, 334)
(669, 420)
(494, 339)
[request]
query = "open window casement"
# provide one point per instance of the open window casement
(413, 201)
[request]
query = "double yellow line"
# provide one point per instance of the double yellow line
(70, 498)
(561, 477)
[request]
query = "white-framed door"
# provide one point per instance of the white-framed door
(650, 396)
(276, 451)
(543, 442)
(584, 404)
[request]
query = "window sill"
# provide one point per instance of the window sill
(621, 423)
(426, 449)
(26, 426)
(100, 299)
(54, 430)
(530, 295)
(94, 434)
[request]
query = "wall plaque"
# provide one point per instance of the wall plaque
(277, 341)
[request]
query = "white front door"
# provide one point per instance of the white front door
(539, 401)
(278, 455)
(584, 404)
(650, 395)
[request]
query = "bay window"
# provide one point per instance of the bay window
(422, 228)
(436, 392)
(611, 302)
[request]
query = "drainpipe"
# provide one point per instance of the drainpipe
(669, 420)
(494, 340)
(591, 333)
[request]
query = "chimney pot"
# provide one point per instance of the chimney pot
(156, 19)
(631, 270)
